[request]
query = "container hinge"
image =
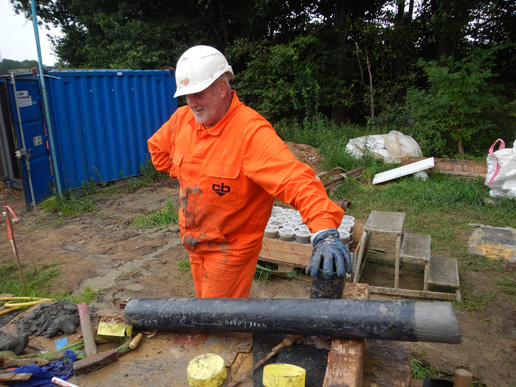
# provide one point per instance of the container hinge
(20, 153)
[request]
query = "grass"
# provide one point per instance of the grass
(73, 203)
(265, 270)
(183, 265)
(420, 370)
(149, 175)
(507, 285)
(76, 202)
(37, 283)
(163, 217)
(443, 206)
(473, 301)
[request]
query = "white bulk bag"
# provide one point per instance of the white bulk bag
(391, 147)
(501, 170)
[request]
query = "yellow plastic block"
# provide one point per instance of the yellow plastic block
(114, 329)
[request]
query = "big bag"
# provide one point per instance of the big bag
(501, 170)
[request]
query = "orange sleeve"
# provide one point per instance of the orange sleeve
(161, 147)
(269, 163)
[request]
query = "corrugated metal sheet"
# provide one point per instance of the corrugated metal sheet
(103, 118)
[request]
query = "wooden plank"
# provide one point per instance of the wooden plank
(387, 364)
(346, 357)
(463, 168)
(340, 176)
(280, 252)
(414, 293)
(12, 377)
(408, 169)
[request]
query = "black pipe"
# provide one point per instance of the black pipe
(360, 319)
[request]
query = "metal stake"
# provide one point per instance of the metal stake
(10, 234)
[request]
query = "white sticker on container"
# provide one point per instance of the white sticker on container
(23, 98)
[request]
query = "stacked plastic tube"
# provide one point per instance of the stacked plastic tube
(346, 229)
(286, 224)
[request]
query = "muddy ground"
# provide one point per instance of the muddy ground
(101, 251)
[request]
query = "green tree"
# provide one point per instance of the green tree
(460, 110)
(344, 59)
(9, 64)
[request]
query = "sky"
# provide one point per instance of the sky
(17, 41)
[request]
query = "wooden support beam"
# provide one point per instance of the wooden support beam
(332, 179)
(346, 357)
(463, 168)
(283, 252)
(462, 378)
(415, 293)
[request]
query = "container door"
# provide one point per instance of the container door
(32, 141)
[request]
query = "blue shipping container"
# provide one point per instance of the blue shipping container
(103, 118)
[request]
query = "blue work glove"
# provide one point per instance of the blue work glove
(329, 251)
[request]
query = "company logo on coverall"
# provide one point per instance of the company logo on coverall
(221, 189)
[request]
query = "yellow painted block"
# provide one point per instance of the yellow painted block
(114, 329)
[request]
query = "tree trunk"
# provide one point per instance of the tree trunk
(342, 27)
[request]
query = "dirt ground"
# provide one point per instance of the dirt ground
(100, 250)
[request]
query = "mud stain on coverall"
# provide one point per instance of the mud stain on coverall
(189, 202)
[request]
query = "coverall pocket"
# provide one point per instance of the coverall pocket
(222, 184)
(177, 159)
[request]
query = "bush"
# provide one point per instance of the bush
(462, 110)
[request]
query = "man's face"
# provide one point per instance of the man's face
(208, 105)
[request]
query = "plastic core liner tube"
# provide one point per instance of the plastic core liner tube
(359, 319)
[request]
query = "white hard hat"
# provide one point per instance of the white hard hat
(198, 68)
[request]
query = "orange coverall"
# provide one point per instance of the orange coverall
(229, 175)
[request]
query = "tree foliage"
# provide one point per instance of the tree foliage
(459, 108)
(351, 61)
(9, 64)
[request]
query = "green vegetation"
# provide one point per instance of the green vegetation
(444, 206)
(444, 71)
(420, 371)
(163, 217)
(37, 283)
(183, 265)
(9, 64)
(474, 301)
(149, 175)
(507, 285)
(265, 270)
(459, 110)
(74, 203)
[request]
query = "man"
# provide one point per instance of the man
(231, 164)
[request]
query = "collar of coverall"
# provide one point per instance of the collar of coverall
(215, 129)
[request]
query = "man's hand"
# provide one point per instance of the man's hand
(329, 251)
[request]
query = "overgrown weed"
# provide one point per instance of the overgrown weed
(149, 175)
(184, 265)
(421, 370)
(163, 217)
(37, 283)
(73, 203)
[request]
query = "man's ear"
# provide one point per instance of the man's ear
(223, 87)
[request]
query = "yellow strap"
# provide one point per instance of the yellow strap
(35, 301)
(9, 310)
